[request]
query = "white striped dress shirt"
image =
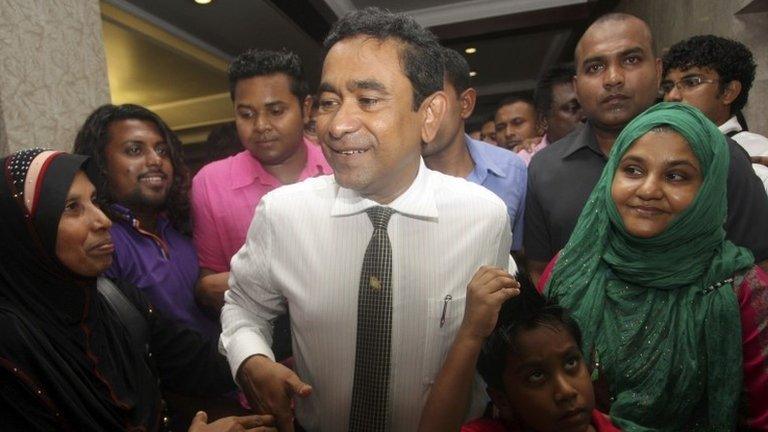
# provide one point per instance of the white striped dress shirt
(305, 250)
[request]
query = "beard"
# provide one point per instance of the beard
(138, 200)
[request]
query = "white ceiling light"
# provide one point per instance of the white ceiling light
(472, 73)
(203, 2)
(470, 50)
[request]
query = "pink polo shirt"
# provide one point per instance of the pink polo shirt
(224, 197)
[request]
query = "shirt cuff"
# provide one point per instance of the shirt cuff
(245, 345)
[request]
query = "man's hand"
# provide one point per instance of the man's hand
(762, 160)
(489, 288)
(269, 387)
(252, 423)
(527, 145)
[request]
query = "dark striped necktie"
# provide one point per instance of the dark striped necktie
(370, 390)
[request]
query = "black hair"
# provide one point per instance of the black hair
(420, 55)
(222, 142)
(730, 59)
(509, 100)
(256, 62)
(92, 140)
(456, 69)
(542, 96)
(528, 311)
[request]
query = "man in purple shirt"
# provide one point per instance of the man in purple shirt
(143, 182)
(454, 153)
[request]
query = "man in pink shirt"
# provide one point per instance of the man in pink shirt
(271, 102)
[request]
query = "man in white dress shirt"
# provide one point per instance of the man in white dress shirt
(380, 99)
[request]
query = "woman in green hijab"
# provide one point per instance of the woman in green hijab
(673, 314)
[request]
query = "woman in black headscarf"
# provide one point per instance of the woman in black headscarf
(67, 359)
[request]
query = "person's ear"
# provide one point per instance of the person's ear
(730, 92)
(434, 107)
(542, 125)
(306, 108)
(467, 101)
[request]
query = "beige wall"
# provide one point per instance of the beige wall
(674, 20)
(53, 71)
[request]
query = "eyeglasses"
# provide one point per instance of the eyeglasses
(686, 84)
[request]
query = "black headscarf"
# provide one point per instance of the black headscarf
(59, 338)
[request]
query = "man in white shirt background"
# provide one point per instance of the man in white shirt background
(715, 75)
(380, 98)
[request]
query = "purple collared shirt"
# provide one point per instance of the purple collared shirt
(163, 267)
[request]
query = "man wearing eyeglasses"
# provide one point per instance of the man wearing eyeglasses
(715, 75)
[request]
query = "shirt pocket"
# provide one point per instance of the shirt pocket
(443, 321)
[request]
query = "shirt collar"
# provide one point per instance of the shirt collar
(124, 214)
(417, 201)
(585, 138)
(246, 169)
(732, 125)
(483, 164)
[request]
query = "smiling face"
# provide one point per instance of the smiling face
(547, 385)
(656, 180)
(515, 122)
(269, 118)
(370, 133)
(139, 168)
(83, 243)
(617, 76)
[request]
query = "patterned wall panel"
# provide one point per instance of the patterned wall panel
(52, 71)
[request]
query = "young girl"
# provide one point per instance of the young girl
(531, 361)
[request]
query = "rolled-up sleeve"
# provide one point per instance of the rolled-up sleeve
(253, 300)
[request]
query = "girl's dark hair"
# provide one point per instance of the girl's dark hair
(527, 311)
(92, 140)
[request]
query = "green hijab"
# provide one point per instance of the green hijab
(660, 315)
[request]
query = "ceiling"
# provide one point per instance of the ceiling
(171, 55)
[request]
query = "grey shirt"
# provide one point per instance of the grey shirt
(562, 176)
